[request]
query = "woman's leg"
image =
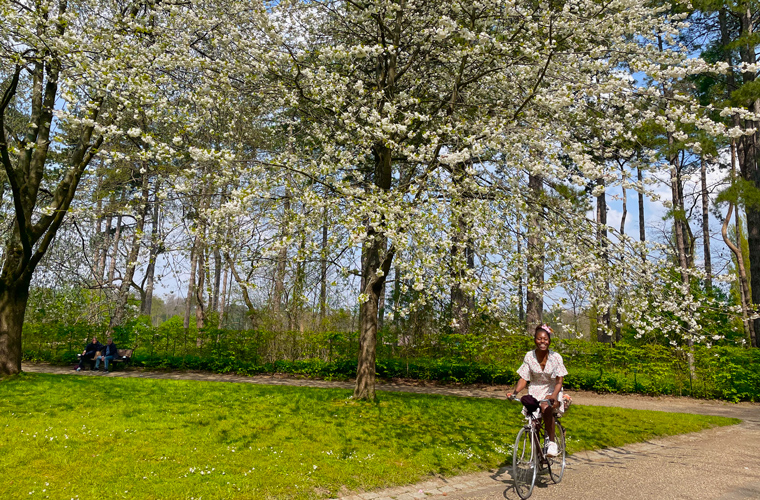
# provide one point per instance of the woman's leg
(548, 414)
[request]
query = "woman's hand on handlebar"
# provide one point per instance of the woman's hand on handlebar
(551, 402)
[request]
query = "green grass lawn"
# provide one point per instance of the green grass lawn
(97, 437)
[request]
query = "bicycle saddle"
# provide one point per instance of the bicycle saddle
(530, 403)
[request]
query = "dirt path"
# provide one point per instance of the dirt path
(713, 464)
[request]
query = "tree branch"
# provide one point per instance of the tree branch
(8, 95)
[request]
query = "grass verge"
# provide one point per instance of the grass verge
(94, 437)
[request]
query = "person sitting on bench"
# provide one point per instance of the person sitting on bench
(107, 355)
(89, 352)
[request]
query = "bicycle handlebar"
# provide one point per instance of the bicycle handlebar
(548, 400)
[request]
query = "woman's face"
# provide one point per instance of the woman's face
(542, 340)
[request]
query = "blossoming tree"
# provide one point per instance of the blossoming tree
(84, 73)
(424, 119)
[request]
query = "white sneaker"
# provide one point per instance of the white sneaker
(552, 450)
(79, 369)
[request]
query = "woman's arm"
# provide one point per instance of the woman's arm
(557, 389)
(521, 384)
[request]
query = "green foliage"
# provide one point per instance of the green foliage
(746, 94)
(741, 192)
(64, 304)
(165, 438)
(631, 366)
(133, 332)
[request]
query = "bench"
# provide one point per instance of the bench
(122, 356)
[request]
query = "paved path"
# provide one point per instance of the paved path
(722, 463)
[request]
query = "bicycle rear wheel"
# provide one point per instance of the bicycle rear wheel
(557, 464)
(524, 464)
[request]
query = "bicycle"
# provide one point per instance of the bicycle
(529, 457)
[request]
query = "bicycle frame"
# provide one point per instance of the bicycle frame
(535, 426)
(528, 461)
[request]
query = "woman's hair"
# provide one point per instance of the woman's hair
(544, 328)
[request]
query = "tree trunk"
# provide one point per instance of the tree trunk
(97, 231)
(396, 296)
(243, 288)
(381, 310)
(678, 215)
(200, 276)
(676, 190)
(602, 318)
(323, 278)
(618, 301)
(744, 281)
(120, 310)
(214, 300)
(365, 370)
(689, 239)
(535, 257)
(115, 251)
(279, 287)
(31, 238)
(752, 215)
(625, 208)
(223, 296)
(744, 286)
(155, 249)
(749, 161)
(753, 238)
(99, 243)
(462, 255)
(299, 285)
(279, 276)
(706, 228)
(679, 223)
(13, 300)
(642, 226)
(461, 307)
(104, 250)
(743, 153)
(520, 293)
(374, 257)
(191, 286)
(462, 302)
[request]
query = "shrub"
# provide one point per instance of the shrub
(724, 372)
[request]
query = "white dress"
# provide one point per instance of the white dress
(543, 382)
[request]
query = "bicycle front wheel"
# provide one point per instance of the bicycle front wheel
(557, 464)
(524, 464)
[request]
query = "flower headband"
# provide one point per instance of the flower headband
(546, 328)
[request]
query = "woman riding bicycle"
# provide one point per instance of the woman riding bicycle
(545, 371)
